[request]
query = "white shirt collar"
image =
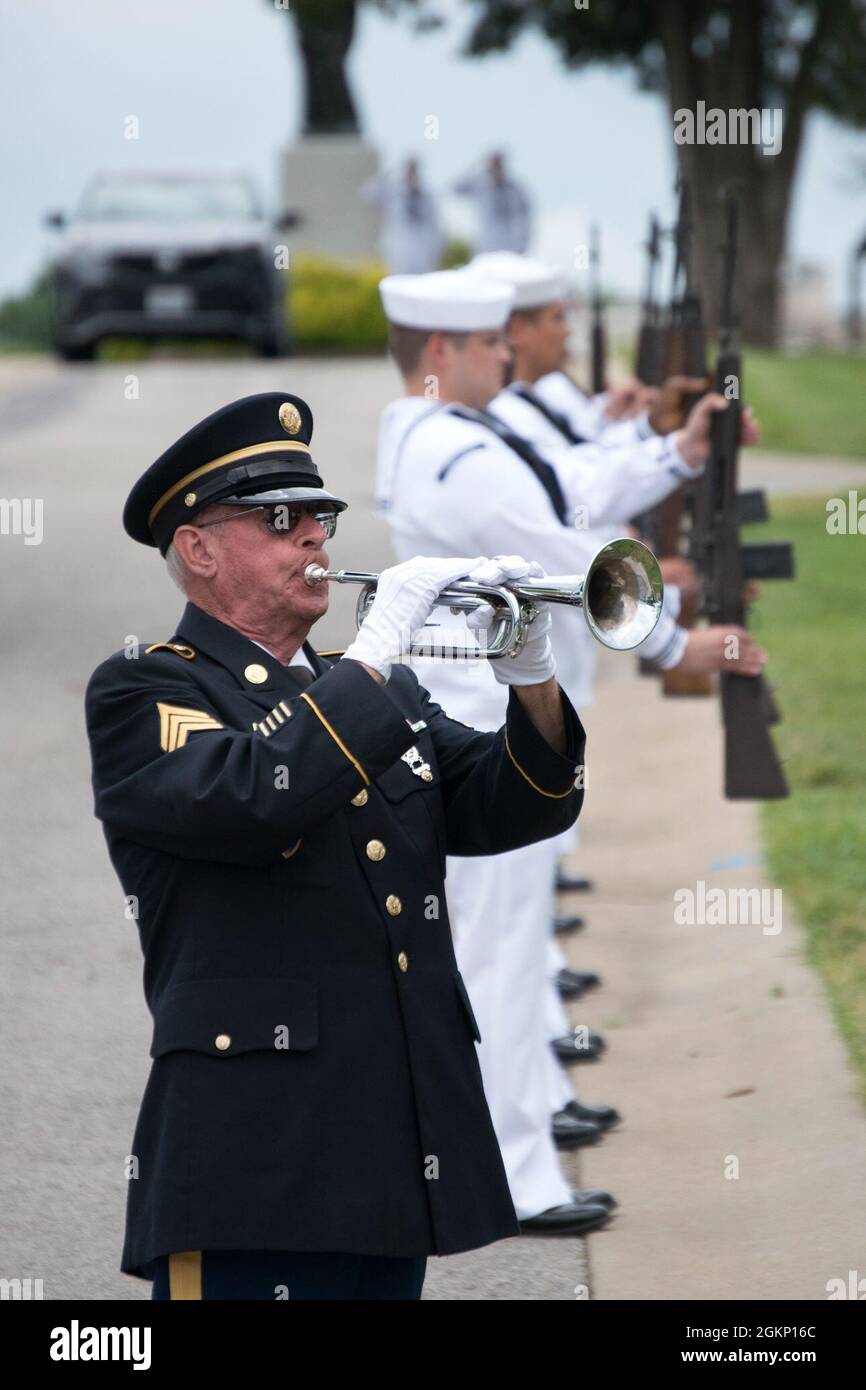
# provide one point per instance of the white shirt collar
(299, 658)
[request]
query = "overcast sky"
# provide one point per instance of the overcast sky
(215, 84)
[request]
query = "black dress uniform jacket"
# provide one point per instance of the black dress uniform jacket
(314, 1084)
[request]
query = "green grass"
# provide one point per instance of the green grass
(809, 403)
(813, 629)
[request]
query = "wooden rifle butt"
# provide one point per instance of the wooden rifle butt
(752, 768)
(676, 682)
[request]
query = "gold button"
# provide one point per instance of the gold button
(375, 850)
(393, 905)
(223, 1042)
(361, 799)
(426, 775)
(190, 499)
(403, 961)
(255, 674)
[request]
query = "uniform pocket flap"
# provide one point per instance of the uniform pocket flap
(400, 779)
(464, 999)
(225, 1017)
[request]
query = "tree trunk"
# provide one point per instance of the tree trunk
(764, 201)
(733, 78)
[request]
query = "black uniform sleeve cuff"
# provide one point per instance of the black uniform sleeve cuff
(550, 773)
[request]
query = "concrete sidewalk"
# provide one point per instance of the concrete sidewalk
(795, 474)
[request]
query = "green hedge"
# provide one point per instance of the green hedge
(335, 305)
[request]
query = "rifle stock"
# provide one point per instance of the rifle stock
(648, 359)
(599, 356)
(683, 353)
(752, 768)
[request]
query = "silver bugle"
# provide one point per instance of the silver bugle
(620, 595)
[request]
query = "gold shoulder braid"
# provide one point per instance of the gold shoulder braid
(178, 648)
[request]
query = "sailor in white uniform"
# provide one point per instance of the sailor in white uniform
(544, 406)
(545, 402)
(501, 204)
(537, 336)
(411, 237)
(449, 475)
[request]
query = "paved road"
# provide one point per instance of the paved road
(690, 1018)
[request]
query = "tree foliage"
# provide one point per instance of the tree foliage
(809, 52)
(797, 56)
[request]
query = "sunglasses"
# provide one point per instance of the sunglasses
(281, 517)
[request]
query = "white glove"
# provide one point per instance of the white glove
(535, 661)
(405, 595)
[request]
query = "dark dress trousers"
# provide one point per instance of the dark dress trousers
(266, 1276)
(314, 1084)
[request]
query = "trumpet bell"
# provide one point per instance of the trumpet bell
(622, 594)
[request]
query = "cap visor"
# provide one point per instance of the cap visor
(286, 494)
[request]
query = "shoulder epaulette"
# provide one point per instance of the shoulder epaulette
(337, 652)
(179, 649)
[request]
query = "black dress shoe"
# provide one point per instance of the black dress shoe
(564, 926)
(572, 983)
(572, 883)
(573, 1047)
(571, 1133)
(588, 978)
(594, 1196)
(602, 1115)
(571, 1219)
(566, 987)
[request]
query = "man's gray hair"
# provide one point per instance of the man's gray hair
(176, 567)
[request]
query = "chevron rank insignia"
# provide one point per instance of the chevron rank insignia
(176, 724)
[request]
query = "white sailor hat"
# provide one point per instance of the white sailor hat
(533, 282)
(446, 301)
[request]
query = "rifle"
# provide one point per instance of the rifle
(686, 355)
(648, 359)
(752, 768)
(682, 353)
(599, 337)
